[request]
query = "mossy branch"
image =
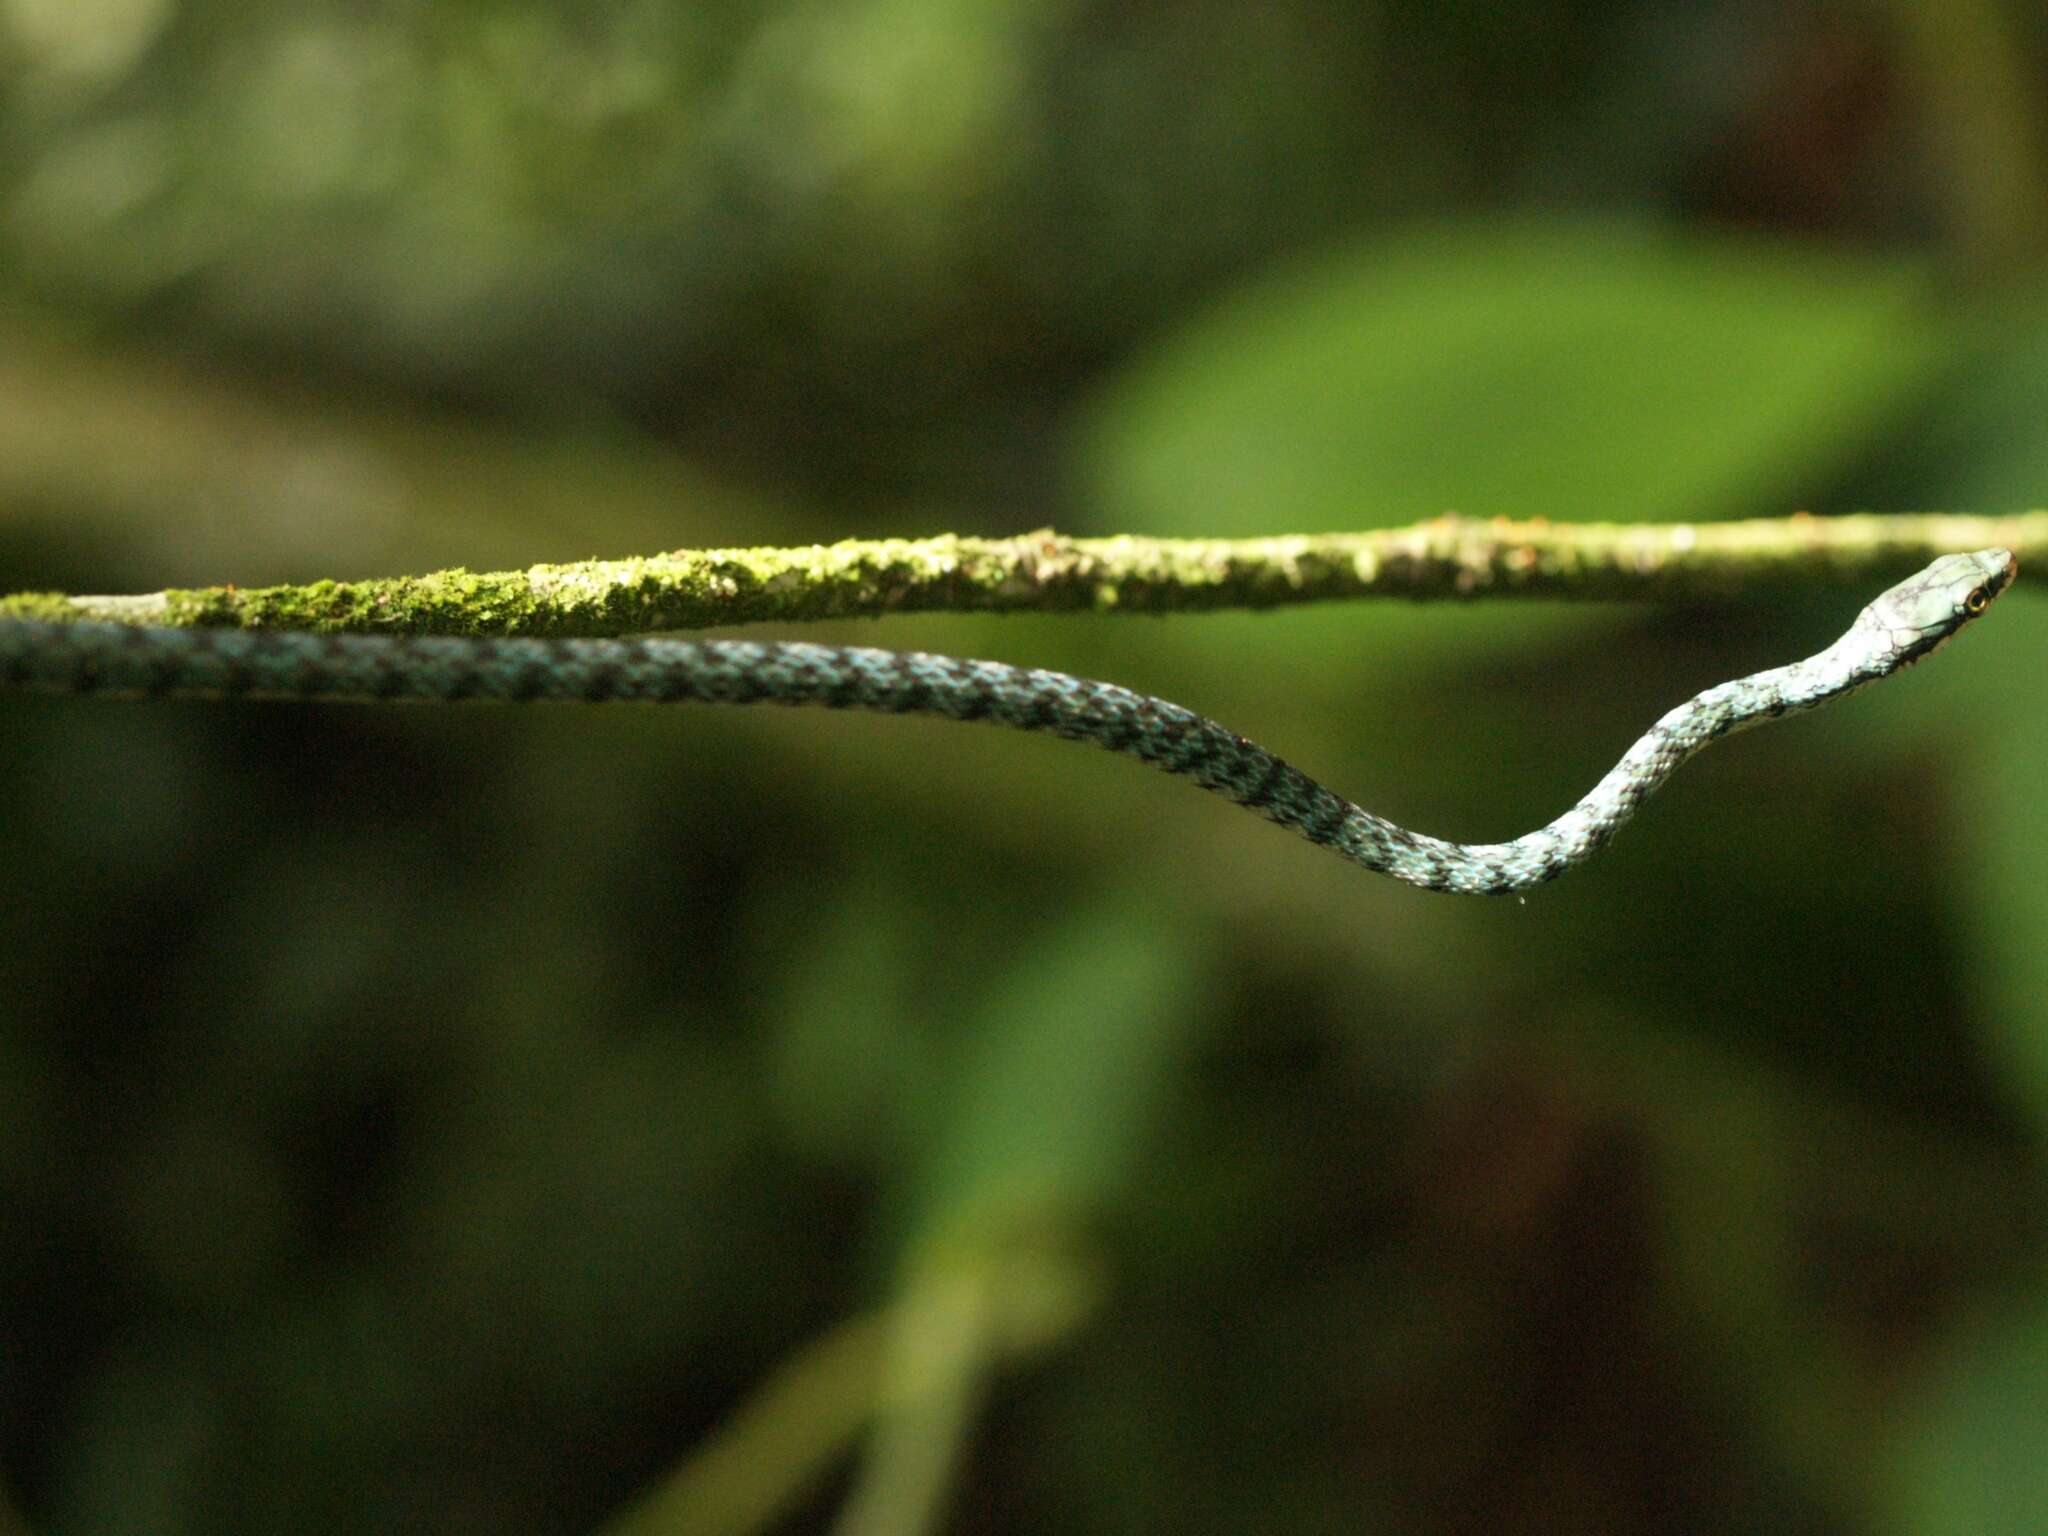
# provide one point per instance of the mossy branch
(1045, 572)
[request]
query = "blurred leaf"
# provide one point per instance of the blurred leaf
(1058, 1076)
(1062, 1067)
(1982, 448)
(1530, 369)
(2002, 821)
(1056, 1088)
(1978, 1467)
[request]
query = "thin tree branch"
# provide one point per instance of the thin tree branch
(1045, 572)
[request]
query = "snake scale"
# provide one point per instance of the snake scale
(1906, 623)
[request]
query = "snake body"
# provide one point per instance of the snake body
(1906, 623)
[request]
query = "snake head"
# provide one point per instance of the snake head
(1924, 612)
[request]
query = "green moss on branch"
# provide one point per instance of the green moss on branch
(1045, 572)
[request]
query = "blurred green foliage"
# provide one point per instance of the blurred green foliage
(499, 1120)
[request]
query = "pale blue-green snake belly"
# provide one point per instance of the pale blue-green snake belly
(1910, 621)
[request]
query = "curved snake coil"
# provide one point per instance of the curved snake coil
(1908, 622)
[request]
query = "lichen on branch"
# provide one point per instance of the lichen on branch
(1045, 572)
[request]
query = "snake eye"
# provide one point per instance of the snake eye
(1977, 601)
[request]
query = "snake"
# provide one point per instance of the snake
(1902, 626)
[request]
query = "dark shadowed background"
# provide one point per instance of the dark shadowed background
(487, 1120)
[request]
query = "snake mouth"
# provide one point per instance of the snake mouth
(2005, 567)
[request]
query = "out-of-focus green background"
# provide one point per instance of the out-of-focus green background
(480, 1120)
